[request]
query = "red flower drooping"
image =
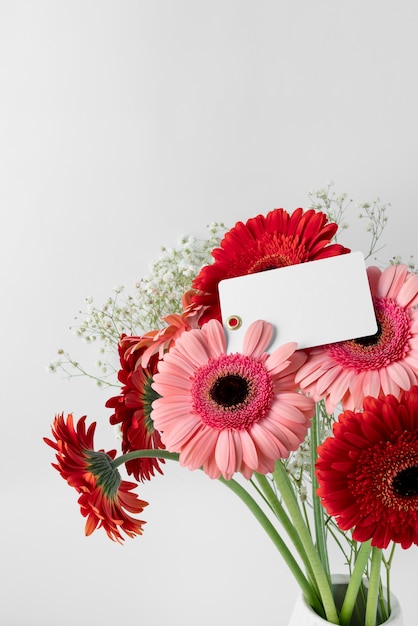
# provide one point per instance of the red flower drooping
(263, 243)
(106, 500)
(368, 471)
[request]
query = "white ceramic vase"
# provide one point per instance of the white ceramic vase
(304, 615)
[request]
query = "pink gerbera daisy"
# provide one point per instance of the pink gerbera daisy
(386, 362)
(230, 413)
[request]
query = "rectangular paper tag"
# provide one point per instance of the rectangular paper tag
(312, 303)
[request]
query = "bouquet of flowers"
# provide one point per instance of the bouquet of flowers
(320, 444)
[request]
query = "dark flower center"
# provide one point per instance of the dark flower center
(370, 340)
(229, 390)
(389, 344)
(232, 391)
(405, 483)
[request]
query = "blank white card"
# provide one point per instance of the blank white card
(312, 303)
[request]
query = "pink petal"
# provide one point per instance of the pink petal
(391, 281)
(371, 383)
(408, 293)
(204, 443)
(414, 322)
(225, 453)
(312, 370)
(215, 337)
(398, 374)
(373, 274)
(211, 469)
(178, 362)
(192, 347)
(164, 416)
(388, 384)
(412, 360)
(180, 433)
(249, 451)
(278, 360)
(328, 378)
(170, 390)
(295, 433)
(340, 386)
(257, 338)
(266, 442)
(290, 412)
(273, 425)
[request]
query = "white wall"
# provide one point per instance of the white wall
(124, 125)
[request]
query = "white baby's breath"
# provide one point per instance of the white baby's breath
(153, 297)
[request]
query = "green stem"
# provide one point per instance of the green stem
(387, 563)
(354, 584)
(141, 454)
(276, 538)
(323, 584)
(318, 511)
(285, 521)
(255, 510)
(374, 588)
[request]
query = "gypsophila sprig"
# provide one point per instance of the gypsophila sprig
(171, 276)
(337, 208)
(376, 216)
(153, 297)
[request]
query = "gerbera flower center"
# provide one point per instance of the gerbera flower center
(388, 345)
(386, 478)
(278, 251)
(232, 391)
(405, 483)
(370, 340)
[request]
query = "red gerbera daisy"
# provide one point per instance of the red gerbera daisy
(133, 407)
(105, 498)
(230, 413)
(383, 363)
(263, 243)
(368, 471)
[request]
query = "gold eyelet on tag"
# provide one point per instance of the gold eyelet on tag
(234, 322)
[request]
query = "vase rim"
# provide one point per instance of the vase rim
(395, 618)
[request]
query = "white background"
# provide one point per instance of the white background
(123, 126)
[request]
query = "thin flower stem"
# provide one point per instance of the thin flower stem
(354, 584)
(271, 531)
(374, 588)
(279, 511)
(141, 454)
(318, 511)
(255, 509)
(388, 563)
(323, 584)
